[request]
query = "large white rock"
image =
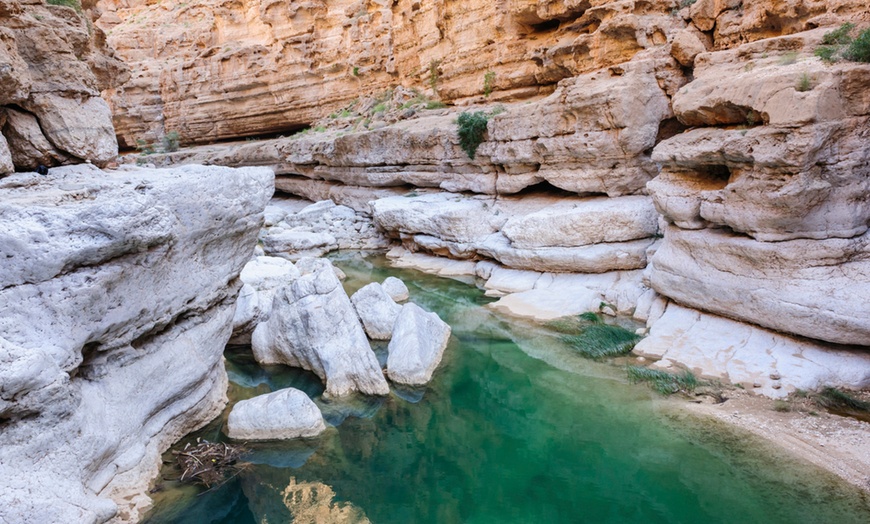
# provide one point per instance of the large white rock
(261, 277)
(313, 326)
(116, 303)
(397, 289)
(716, 347)
(284, 414)
(418, 343)
(376, 310)
(813, 288)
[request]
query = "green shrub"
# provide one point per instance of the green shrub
(355, 71)
(75, 4)
(839, 36)
(827, 53)
(859, 49)
(662, 381)
(781, 406)
(472, 126)
(435, 104)
(599, 340)
(171, 142)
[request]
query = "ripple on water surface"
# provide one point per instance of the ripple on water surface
(513, 428)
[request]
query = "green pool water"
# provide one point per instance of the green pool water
(513, 428)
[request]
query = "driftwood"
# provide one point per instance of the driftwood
(209, 463)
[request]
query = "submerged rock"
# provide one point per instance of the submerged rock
(397, 289)
(377, 311)
(313, 326)
(418, 343)
(284, 414)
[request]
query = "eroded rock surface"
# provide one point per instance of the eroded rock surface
(54, 62)
(313, 326)
(116, 300)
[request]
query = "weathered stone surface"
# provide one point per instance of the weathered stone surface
(287, 64)
(91, 392)
(805, 287)
(584, 222)
(716, 347)
(28, 146)
(6, 165)
(262, 276)
(376, 310)
(688, 44)
(418, 343)
(396, 289)
(536, 232)
(283, 414)
(55, 64)
(319, 228)
(314, 326)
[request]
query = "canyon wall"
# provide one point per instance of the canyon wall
(116, 301)
(678, 156)
(53, 65)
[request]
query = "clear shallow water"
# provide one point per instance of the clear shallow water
(513, 428)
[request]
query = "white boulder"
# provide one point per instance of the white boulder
(397, 289)
(418, 343)
(313, 325)
(284, 414)
(376, 310)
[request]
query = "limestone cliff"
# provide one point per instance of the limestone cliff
(53, 65)
(116, 300)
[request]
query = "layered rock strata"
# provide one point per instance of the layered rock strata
(55, 63)
(116, 300)
(302, 61)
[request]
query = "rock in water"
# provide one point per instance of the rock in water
(313, 326)
(418, 343)
(287, 413)
(397, 289)
(377, 311)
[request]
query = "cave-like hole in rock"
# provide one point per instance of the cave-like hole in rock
(544, 188)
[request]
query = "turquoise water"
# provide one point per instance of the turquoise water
(513, 428)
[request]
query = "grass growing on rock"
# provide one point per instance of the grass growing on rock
(588, 335)
(839, 44)
(75, 4)
(662, 381)
(839, 400)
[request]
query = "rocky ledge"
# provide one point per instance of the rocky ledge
(116, 300)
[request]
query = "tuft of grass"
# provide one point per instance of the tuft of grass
(781, 406)
(662, 381)
(488, 80)
(788, 58)
(836, 399)
(74, 4)
(600, 340)
(472, 126)
(839, 36)
(355, 70)
(592, 317)
(380, 108)
(435, 104)
(859, 49)
(803, 84)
